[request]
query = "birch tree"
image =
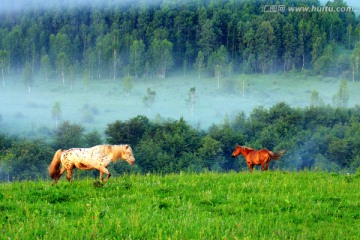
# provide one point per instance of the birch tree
(28, 76)
(137, 58)
(355, 62)
(200, 63)
(3, 64)
(162, 56)
(45, 66)
(56, 113)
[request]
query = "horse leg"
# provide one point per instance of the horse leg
(250, 166)
(267, 163)
(62, 170)
(103, 170)
(263, 166)
(101, 176)
(69, 174)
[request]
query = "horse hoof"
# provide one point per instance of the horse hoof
(98, 184)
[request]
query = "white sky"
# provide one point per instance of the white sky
(6, 5)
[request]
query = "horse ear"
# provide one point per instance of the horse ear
(126, 146)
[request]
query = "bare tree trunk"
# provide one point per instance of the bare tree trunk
(3, 78)
(303, 62)
(115, 63)
(356, 67)
(99, 63)
(243, 88)
(353, 73)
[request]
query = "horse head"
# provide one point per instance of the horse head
(237, 151)
(128, 155)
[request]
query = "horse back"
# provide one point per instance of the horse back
(259, 156)
(84, 158)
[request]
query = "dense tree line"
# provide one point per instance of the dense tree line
(149, 38)
(322, 138)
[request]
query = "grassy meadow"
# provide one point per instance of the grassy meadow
(105, 101)
(271, 205)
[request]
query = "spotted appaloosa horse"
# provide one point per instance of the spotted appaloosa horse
(97, 157)
(256, 157)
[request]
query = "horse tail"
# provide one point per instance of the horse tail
(277, 155)
(55, 164)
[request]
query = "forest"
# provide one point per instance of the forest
(212, 38)
(315, 138)
(152, 38)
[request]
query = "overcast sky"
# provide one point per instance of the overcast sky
(6, 5)
(25, 4)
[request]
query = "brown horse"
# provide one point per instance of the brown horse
(98, 157)
(256, 157)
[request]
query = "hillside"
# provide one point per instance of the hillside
(272, 205)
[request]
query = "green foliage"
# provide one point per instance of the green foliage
(265, 42)
(26, 160)
(314, 138)
(137, 58)
(161, 56)
(92, 139)
(45, 66)
(316, 101)
(200, 63)
(281, 205)
(56, 113)
(342, 97)
(3, 64)
(317, 137)
(151, 38)
(128, 132)
(68, 135)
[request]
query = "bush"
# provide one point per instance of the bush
(68, 135)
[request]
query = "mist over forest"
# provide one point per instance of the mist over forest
(89, 64)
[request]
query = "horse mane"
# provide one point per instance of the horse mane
(113, 151)
(247, 148)
(105, 149)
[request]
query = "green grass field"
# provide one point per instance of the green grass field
(271, 205)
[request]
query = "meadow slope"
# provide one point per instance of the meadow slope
(271, 205)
